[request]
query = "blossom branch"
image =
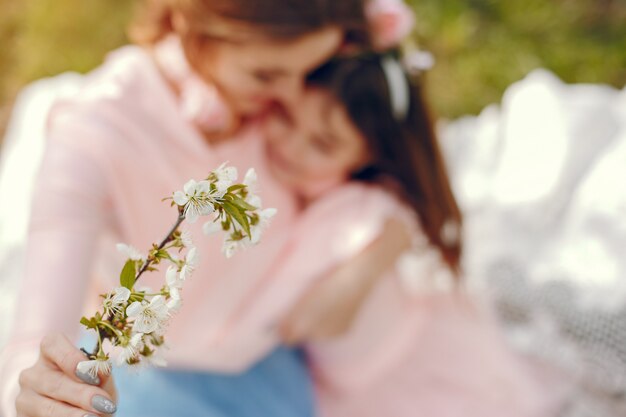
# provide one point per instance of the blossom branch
(134, 322)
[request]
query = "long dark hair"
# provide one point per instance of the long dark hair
(276, 19)
(405, 151)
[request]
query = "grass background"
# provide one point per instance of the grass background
(481, 46)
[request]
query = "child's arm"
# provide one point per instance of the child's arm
(329, 307)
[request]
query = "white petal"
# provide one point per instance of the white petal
(190, 187)
(222, 186)
(136, 340)
(180, 198)
(130, 251)
(186, 272)
(226, 173)
(250, 179)
(192, 257)
(206, 209)
(171, 276)
(186, 238)
(229, 248)
(145, 324)
(135, 309)
(175, 293)
(255, 234)
(191, 215)
(157, 360)
(268, 213)
(174, 304)
(159, 306)
(254, 200)
(86, 367)
(203, 186)
(122, 294)
(211, 228)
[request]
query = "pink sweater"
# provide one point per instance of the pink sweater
(114, 151)
(122, 144)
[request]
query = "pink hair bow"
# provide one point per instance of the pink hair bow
(391, 21)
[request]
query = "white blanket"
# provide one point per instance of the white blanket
(542, 183)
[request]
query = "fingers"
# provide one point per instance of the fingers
(58, 387)
(288, 334)
(296, 329)
(57, 352)
(30, 404)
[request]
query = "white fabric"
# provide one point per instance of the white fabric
(22, 149)
(540, 179)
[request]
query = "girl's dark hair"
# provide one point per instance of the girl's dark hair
(405, 152)
(276, 19)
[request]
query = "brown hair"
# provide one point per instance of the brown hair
(276, 19)
(405, 151)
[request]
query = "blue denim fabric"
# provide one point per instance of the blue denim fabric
(277, 386)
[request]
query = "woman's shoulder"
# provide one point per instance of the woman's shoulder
(124, 102)
(122, 87)
(352, 216)
(359, 200)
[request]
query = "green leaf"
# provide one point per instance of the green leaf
(244, 205)
(91, 323)
(127, 277)
(235, 212)
(235, 187)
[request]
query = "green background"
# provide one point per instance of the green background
(481, 46)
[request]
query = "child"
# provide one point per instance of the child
(360, 153)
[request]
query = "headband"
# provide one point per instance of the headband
(398, 86)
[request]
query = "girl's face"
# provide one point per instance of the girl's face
(316, 147)
(254, 73)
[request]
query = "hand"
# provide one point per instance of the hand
(326, 311)
(331, 305)
(52, 386)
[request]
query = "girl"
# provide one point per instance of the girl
(360, 153)
(150, 118)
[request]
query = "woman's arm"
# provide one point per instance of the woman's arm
(330, 306)
(69, 210)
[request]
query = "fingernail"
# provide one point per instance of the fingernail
(90, 415)
(87, 377)
(103, 404)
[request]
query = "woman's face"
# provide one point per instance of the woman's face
(316, 146)
(253, 74)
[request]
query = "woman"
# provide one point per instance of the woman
(142, 124)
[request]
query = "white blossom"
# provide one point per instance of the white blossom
(186, 238)
(156, 358)
(254, 200)
(130, 251)
(98, 366)
(172, 279)
(131, 349)
(191, 262)
(226, 173)
(115, 301)
(149, 317)
(226, 176)
(212, 227)
(257, 230)
(175, 302)
(174, 284)
(197, 198)
(250, 181)
(230, 247)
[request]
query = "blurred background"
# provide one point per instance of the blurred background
(481, 46)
